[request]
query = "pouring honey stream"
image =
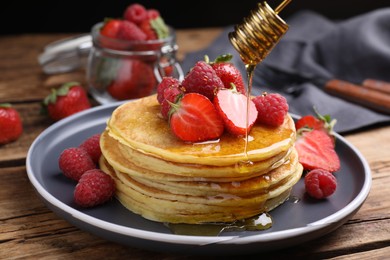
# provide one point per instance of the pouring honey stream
(254, 39)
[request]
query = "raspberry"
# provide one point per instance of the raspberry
(202, 79)
(166, 82)
(135, 13)
(170, 96)
(271, 108)
(130, 31)
(74, 162)
(92, 146)
(153, 13)
(320, 184)
(94, 188)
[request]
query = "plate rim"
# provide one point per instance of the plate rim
(352, 206)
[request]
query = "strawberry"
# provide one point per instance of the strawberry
(135, 13)
(320, 184)
(147, 28)
(110, 28)
(202, 79)
(309, 121)
(195, 119)
(92, 146)
(130, 32)
(94, 188)
(272, 109)
(316, 151)
(69, 99)
(227, 72)
(317, 121)
(134, 79)
(74, 162)
(232, 107)
(11, 126)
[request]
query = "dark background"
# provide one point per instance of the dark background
(37, 16)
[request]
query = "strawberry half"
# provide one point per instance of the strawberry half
(194, 119)
(316, 151)
(232, 107)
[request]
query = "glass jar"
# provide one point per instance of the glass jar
(122, 70)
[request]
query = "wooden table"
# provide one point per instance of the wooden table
(30, 230)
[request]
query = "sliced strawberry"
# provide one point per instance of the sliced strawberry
(195, 119)
(232, 107)
(316, 151)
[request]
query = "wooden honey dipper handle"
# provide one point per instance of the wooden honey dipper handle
(373, 99)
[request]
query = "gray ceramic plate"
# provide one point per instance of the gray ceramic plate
(293, 223)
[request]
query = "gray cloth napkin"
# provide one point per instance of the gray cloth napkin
(315, 47)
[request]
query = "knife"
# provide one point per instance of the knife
(371, 93)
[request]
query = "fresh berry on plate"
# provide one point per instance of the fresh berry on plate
(195, 119)
(171, 95)
(92, 146)
(11, 127)
(135, 13)
(320, 183)
(134, 79)
(228, 72)
(202, 79)
(166, 83)
(94, 188)
(232, 107)
(74, 162)
(131, 32)
(316, 151)
(69, 99)
(272, 108)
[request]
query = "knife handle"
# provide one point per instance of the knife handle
(367, 97)
(377, 85)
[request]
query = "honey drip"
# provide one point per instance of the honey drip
(259, 222)
(254, 39)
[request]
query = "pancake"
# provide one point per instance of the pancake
(137, 124)
(165, 206)
(147, 166)
(165, 179)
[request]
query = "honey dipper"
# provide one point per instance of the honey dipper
(259, 33)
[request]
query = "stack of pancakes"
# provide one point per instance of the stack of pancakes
(165, 179)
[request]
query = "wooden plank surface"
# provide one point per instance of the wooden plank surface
(29, 230)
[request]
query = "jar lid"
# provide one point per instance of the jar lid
(65, 55)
